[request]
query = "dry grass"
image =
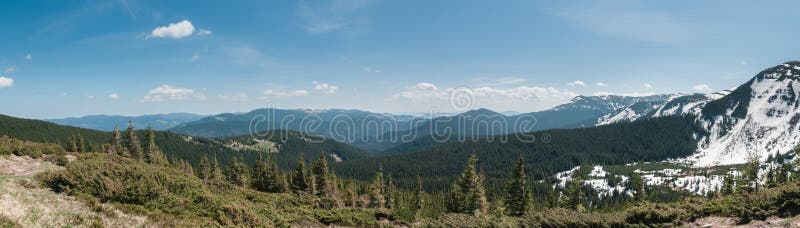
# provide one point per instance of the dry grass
(28, 204)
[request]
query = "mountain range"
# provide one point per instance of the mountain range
(108, 122)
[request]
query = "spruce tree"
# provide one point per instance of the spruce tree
(236, 173)
(727, 185)
(517, 200)
(637, 185)
(418, 194)
(377, 200)
(468, 195)
(480, 204)
(300, 182)
(320, 172)
(216, 171)
(204, 168)
(575, 195)
(132, 143)
(388, 192)
(116, 143)
(266, 176)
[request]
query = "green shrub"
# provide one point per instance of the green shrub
(59, 160)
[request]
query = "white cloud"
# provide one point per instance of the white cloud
(701, 87)
(577, 83)
(325, 87)
(203, 32)
(489, 97)
(29, 57)
(6, 82)
(174, 30)
(648, 86)
(167, 92)
(275, 94)
(10, 69)
(246, 56)
(239, 97)
(113, 96)
(743, 63)
(90, 96)
(195, 56)
(601, 84)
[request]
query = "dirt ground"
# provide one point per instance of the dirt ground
(731, 222)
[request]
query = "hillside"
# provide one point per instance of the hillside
(291, 144)
(553, 151)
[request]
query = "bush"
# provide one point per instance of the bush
(59, 160)
(568, 218)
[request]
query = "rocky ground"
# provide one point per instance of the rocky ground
(731, 222)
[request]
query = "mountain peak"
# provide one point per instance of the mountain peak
(480, 111)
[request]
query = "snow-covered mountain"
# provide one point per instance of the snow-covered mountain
(759, 117)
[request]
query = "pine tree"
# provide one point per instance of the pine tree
(216, 171)
(468, 195)
(770, 178)
(418, 194)
(750, 175)
(575, 195)
(783, 173)
(116, 144)
(266, 176)
(377, 200)
(153, 154)
(727, 185)
(300, 182)
(388, 192)
(132, 143)
(236, 173)
(81, 144)
(204, 169)
(637, 185)
(517, 201)
(320, 172)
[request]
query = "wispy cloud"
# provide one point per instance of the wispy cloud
(601, 84)
(271, 94)
(246, 55)
(10, 69)
(325, 87)
(626, 22)
(239, 97)
(501, 81)
(577, 83)
(28, 57)
(167, 92)
(113, 96)
(330, 16)
(490, 97)
(701, 87)
(647, 86)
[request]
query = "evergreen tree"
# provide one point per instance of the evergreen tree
(300, 182)
(320, 172)
(388, 192)
(204, 169)
(637, 185)
(152, 154)
(377, 200)
(770, 178)
(132, 142)
(116, 143)
(468, 194)
(575, 195)
(750, 175)
(517, 201)
(266, 176)
(216, 171)
(783, 173)
(727, 185)
(418, 194)
(236, 173)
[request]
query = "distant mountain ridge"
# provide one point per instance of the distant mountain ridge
(107, 122)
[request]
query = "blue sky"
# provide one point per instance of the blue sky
(73, 58)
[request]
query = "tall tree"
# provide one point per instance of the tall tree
(418, 194)
(320, 172)
(116, 143)
(266, 176)
(152, 154)
(637, 185)
(727, 185)
(132, 143)
(236, 173)
(575, 195)
(388, 192)
(377, 199)
(300, 182)
(468, 194)
(517, 200)
(204, 168)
